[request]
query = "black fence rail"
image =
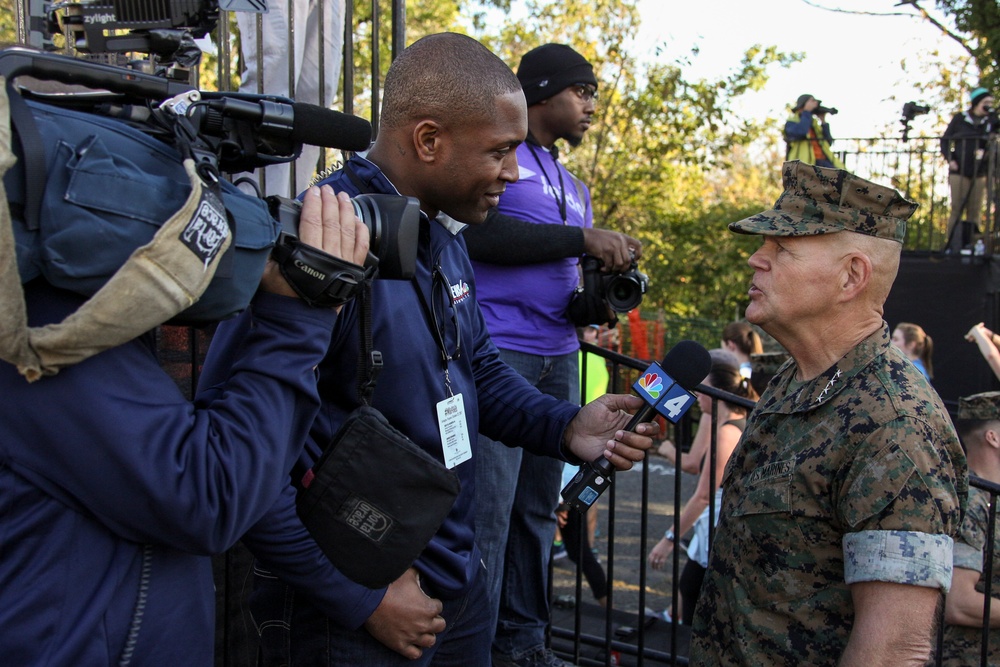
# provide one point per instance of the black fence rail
(625, 633)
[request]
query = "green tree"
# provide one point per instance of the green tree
(8, 30)
(979, 23)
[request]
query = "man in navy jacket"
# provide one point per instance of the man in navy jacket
(452, 116)
(114, 488)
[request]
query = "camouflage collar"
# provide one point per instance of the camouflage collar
(826, 385)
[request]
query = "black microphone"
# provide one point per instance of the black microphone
(666, 389)
(297, 122)
(317, 126)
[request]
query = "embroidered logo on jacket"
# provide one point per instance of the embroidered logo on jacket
(772, 471)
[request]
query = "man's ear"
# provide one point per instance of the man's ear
(992, 436)
(427, 140)
(856, 275)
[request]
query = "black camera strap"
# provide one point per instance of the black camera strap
(32, 154)
(371, 363)
(371, 359)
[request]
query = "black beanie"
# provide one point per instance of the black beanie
(551, 68)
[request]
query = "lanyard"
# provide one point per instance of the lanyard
(438, 278)
(562, 187)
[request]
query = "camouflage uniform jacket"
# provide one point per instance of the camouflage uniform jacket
(856, 475)
(962, 644)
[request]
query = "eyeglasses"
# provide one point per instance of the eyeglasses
(585, 91)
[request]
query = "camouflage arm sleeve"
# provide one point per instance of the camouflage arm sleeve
(902, 506)
(971, 537)
(968, 557)
(901, 557)
(901, 479)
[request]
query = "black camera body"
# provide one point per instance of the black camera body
(623, 291)
(218, 132)
(599, 292)
(820, 109)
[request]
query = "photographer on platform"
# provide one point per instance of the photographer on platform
(808, 134)
(963, 145)
(527, 269)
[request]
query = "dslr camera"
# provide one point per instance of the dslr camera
(820, 109)
(619, 292)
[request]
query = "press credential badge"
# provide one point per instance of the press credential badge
(454, 431)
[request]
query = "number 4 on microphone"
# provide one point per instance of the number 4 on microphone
(675, 402)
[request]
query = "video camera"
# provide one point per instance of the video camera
(911, 110)
(151, 100)
(392, 223)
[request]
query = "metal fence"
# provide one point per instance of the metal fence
(643, 646)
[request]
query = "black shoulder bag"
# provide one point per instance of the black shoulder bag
(374, 499)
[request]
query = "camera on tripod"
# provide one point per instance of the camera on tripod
(911, 110)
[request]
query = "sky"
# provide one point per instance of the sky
(851, 62)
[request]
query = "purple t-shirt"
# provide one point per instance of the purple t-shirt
(525, 306)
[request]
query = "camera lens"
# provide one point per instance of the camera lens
(624, 291)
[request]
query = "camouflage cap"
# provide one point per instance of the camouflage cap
(767, 363)
(820, 200)
(985, 406)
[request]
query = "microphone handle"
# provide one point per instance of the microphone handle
(605, 466)
(641, 416)
(595, 477)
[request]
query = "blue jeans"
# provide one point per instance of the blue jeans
(516, 497)
(293, 633)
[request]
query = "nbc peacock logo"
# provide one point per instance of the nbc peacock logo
(651, 384)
